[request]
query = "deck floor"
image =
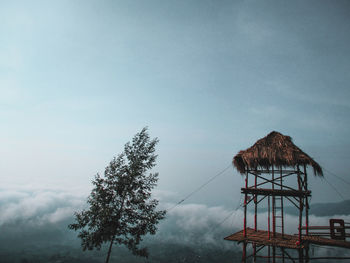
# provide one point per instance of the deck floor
(260, 237)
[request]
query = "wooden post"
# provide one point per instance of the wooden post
(254, 257)
(307, 258)
(268, 218)
(244, 255)
(255, 218)
(273, 205)
(282, 215)
(306, 203)
(282, 212)
(245, 207)
(255, 206)
(300, 208)
(301, 255)
(254, 252)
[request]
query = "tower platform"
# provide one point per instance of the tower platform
(261, 237)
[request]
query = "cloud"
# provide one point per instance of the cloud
(38, 207)
(198, 216)
(35, 217)
(51, 206)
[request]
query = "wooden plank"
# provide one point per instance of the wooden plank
(275, 192)
(260, 237)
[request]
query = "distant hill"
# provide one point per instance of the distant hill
(329, 209)
(321, 209)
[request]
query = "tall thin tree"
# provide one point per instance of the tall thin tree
(121, 209)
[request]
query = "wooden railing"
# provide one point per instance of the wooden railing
(335, 230)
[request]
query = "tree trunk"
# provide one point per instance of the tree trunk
(119, 214)
(110, 249)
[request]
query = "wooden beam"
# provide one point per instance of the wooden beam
(276, 192)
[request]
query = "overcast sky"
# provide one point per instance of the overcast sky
(79, 78)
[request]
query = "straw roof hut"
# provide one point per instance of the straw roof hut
(277, 150)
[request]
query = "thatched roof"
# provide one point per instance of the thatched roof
(277, 150)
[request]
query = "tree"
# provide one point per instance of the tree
(121, 209)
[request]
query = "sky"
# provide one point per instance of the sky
(78, 79)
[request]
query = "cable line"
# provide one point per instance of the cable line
(239, 204)
(340, 178)
(229, 215)
(199, 188)
(335, 189)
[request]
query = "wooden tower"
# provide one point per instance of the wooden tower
(266, 166)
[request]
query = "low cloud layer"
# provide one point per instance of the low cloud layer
(52, 206)
(37, 207)
(40, 218)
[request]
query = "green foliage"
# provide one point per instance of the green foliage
(121, 209)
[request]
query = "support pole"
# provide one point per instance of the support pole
(301, 255)
(273, 205)
(306, 203)
(255, 206)
(282, 212)
(255, 218)
(300, 209)
(244, 255)
(273, 215)
(307, 258)
(245, 207)
(268, 219)
(254, 252)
